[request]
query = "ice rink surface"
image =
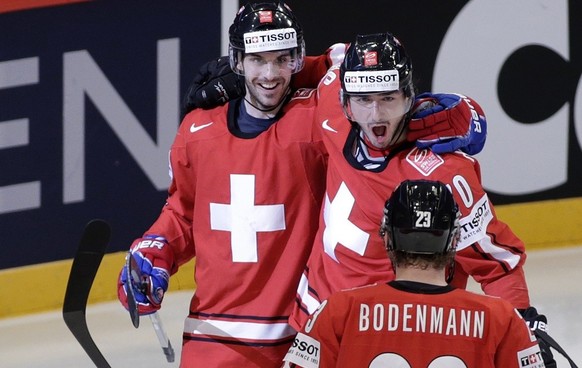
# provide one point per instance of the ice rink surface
(43, 340)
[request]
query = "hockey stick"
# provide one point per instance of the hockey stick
(85, 264)
(542, 335)
(162, 337)
(140, 283)
(136, 281)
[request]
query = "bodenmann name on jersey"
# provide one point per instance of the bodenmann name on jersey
(422, 318)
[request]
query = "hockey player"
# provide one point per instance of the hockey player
(248, 180)
(246, 187)
(368, 157)
(418, 319)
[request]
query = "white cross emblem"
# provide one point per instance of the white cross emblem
(338, 228)
(244, 219)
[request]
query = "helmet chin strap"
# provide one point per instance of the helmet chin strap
(277, 106)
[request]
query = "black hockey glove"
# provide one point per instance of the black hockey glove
(215, 84)
(539, 322)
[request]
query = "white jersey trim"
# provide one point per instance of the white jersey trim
(238, 329)
(303, 290)
(499, 253)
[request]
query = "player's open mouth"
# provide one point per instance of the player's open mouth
(379, 130)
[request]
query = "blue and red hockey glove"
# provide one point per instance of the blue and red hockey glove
(447, 122)
(154, 259)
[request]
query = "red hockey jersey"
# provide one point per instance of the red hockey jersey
(394, 325)
(247, 208)
(348, 252)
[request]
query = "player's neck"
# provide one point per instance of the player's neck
(259, 111)
(428, 276)
(254, 111)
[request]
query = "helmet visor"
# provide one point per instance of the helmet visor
(376, 107)
(282, 62)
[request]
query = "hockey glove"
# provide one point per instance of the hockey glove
(214, 85)
(535, 322)
(447, 122)
(154, 259)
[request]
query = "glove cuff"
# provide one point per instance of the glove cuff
(157, 250)
(534, 320)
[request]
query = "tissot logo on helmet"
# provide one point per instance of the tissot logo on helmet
(272, 40)
(371, 81)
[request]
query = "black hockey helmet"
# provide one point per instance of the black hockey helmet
(421, 217)
(265, 26)
(382, 59)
